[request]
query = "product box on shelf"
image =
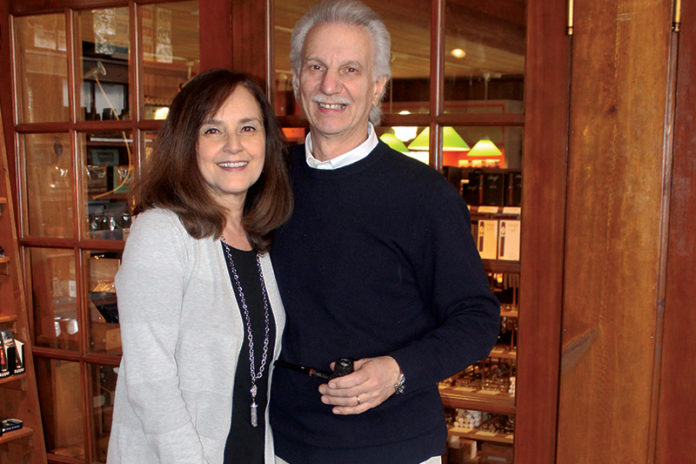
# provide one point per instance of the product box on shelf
(487, 238)
(493, 189)
(514, 189)
(12, 355)
(471, 187)
(4, 364)
(8, 425)
(493, 453)
(19, 358)
(460, 450)
(509, 240)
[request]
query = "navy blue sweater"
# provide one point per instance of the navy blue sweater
(377, 259)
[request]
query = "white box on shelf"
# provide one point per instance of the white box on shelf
(509, 240)
(487, 240)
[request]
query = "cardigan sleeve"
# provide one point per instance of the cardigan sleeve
(150, 286)
(455, 287)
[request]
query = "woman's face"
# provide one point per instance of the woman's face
(231, 148)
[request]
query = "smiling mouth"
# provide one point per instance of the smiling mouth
(233, 164)
(332, 106)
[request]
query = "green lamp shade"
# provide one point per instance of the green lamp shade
(452, 141)
(421, 142)
(391, 140)
(485, 148)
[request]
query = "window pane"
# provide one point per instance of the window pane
(60, 396)
(54, 294)
(102, 310)
(48, 184)
(103, 38)
(170, 52)
(399, 138)
(484, 54)
(285, 15)
(102, 386)
(409, 26)
(108, 171)
(489, 147)
(41, 68)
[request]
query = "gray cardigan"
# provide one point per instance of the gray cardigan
(182, 333)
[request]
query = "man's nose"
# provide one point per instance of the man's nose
(330, 83)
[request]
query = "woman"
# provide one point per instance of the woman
(201, 317)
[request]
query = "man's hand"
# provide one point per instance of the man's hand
(370, 384)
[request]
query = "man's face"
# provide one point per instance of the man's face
(336, 84)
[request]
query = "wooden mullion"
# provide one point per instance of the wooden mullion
(437, 69)
(486, 119)
(677, 402)
(136, 96)
(544, 165)
(34, 7)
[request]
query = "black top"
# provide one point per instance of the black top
(245, 444)
(377, 259)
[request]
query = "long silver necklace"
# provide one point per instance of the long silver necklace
(250, 337)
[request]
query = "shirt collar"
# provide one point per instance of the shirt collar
(350, 157)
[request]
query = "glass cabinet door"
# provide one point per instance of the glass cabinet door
(92, 85)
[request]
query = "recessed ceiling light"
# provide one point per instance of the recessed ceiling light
(458, 53)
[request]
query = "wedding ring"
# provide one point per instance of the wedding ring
(357, 397)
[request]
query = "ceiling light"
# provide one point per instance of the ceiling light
(458, 53)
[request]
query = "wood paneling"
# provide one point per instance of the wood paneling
(215, 34)
(677, 404)
(249, 34)
(543, 203)
(6, 90)
(612, 259)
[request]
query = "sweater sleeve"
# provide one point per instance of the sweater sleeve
(150, 286)
(455, 288)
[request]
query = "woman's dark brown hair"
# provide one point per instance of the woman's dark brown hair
(173, 180)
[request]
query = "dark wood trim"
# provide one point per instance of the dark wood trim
(677, 402)
(32, 7)
(7, 92)
(544, 166)
(611, 308)
(667, 164)
(215, 34)
(269, 51)
(249, 31)
(437, 70)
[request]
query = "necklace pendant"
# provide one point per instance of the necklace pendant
(254, 417)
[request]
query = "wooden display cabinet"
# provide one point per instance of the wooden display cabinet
(18, 394)
(480, 401)
(91, 80)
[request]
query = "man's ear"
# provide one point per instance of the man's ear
(379, 89)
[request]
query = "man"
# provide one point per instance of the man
(376, 264)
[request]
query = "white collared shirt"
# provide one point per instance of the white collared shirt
(350, 157)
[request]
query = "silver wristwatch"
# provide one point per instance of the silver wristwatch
(400, 384)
